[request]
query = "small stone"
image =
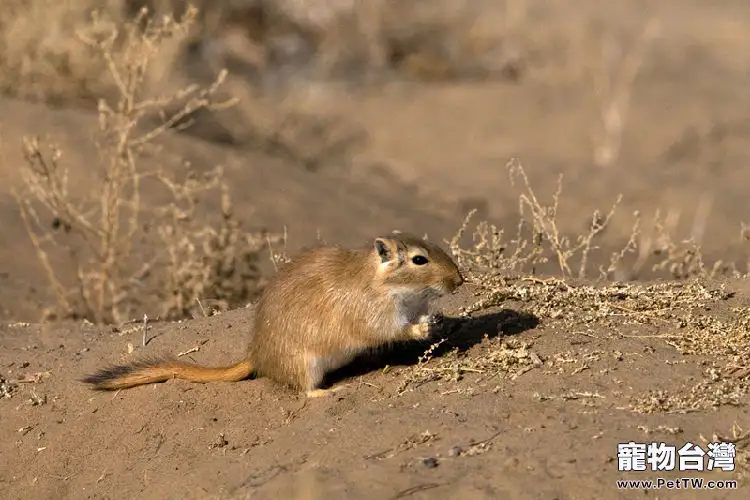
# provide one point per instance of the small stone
(455, 451)
(430, 462)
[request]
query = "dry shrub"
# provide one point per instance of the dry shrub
(269, 47)
(41, 57)
(202, 266)
(538, 241)
(353, 40)
(677, 257)
(124, 251)
(505, 272)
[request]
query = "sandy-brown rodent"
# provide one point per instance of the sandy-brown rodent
(319, 311)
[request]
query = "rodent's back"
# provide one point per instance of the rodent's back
(321, 302)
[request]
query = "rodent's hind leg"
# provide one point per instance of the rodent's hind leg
(317, 367)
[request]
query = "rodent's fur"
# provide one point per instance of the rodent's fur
(319, 311)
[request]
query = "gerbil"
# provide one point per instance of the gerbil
(321, 310)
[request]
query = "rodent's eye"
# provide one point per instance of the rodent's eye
(419, 260)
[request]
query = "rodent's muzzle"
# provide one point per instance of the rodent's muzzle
(451, 284)
(460, 280)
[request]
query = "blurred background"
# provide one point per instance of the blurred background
(360, 116)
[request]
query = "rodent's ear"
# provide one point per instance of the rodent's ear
(384, 250)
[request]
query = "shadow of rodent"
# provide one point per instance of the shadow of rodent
(459, 333)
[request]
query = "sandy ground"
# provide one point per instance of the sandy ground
(430, 153)
(549, 432)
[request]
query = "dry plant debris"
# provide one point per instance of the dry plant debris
(681, 310)
(503, 357)
(726, 380)
(7, 388)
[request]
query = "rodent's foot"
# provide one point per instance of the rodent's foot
(425, 327)
(321, 393)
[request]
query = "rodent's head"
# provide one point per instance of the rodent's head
(409, 264)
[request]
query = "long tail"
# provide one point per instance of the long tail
(149, 371)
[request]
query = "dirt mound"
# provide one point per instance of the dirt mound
(477, 417)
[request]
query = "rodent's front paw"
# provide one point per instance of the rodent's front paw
(420, 331)
(425, 327)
